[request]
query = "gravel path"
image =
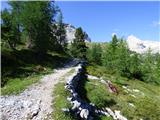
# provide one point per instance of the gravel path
(33, 103)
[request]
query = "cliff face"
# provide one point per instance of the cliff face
(141, 46)
(70, 32)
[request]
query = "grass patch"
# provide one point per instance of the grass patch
(17, 85)
(147, 105)
(60, 101)
(98, 94)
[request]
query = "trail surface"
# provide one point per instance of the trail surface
(35, 102)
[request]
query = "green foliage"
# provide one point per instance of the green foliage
(60, 102)
(110, 55)
(32, 22)
(10, 32)
(97, 93)
(114, 42)
(37, 20)
(94, 54)
(157, 69)
(150, 67)
(78, 47)
(60, 33)
(17, 85)
(135, 66)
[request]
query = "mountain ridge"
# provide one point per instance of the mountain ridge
(142, 46)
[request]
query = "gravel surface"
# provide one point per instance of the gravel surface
(35, 102)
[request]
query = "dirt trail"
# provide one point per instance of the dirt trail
(35, 102)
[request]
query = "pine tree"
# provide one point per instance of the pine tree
(11, 24)
(114, 42)
(61, 32)
(122, 58)
(95, 53)
(17, 7)
(135, 66)
(148, 67)
(37, 18)
(110, 54)
(8, 29)
(78, 47)
(157, 69)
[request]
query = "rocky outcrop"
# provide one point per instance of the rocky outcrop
(70, 33)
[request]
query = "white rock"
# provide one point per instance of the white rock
(103, 81)
(76, 104)
(136, 90)
(84, 113)
(124, 87)
(92, 77)
(69, 98)
(119, 116)
(111, 113)
(132, 95)
(126, 91)
(131, 104)
(65, 109)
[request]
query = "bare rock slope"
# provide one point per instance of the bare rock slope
(70, 32)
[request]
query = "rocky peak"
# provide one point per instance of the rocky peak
(141, 46)
(70, 32)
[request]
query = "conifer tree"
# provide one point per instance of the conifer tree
(9, 31)
(61, 32)
(11, 24)
(78, 46)
(95, 53)
(37, 19)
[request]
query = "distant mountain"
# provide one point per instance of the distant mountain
(141, 46)
(70, 32)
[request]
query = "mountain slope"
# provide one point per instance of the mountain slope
(141, 46)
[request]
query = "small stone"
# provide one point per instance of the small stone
(84, 113)
(76, 104)
(119, 116)
(131, 104)
(136, 90)
(124, 87)
(65, 109)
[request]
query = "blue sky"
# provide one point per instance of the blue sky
(101, 19)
